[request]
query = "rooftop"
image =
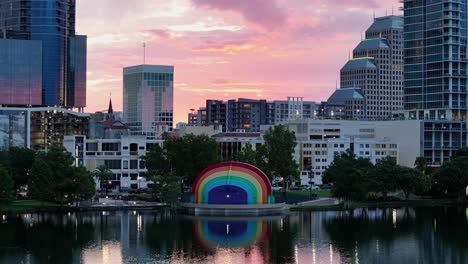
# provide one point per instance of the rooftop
(372, 44)
(343, 94)
(360, 63)
(386, 22)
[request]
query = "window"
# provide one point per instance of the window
(113, 164)
(110, 146)
(133, 164)
(125, 165)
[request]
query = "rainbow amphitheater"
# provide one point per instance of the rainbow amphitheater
(232, 189)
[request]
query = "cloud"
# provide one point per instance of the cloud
(159, 33)
(265, 13)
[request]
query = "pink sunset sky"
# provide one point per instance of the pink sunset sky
(224, 49)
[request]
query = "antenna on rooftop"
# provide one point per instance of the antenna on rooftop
(374, 13)
(144, 52)
(392, 10)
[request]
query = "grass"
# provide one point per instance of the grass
(320, 193)
(26, 205)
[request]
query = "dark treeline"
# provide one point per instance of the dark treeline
(46, 176)
(358, 179)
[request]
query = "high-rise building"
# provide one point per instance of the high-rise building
(148, 98)
(435, 59)
(435, 73)
(63, 53)
(20, 72)
(377, 68)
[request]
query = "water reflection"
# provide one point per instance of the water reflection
(400, 235)
(223, 233)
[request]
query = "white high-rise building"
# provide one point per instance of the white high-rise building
(148, 98)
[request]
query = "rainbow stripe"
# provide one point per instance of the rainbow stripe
(245, 176)
(255, 231)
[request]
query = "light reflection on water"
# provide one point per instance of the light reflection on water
(400, 235)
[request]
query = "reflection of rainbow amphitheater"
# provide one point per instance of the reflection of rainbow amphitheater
(232, 188)
(229, 234)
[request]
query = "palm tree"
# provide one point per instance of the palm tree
(102, 173)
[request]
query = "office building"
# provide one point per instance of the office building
(435, 59)
(38, 128)
(377, 68)
(49, 24)
(148, 98)
(249, 114)
(20, 72)
(435, 66)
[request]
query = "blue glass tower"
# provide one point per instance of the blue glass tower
(52, 22)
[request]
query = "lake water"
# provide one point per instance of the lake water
(404, 235)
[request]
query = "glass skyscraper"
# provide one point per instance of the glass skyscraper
(148, 97)
(435, 71)
(52, 22)
(435, 74)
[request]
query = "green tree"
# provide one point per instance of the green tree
(170, 189)
(7, 192)
(278, 153)
(350, 176)
(247, 155)
(384, 176)
(84, 186)
(187, 156)
(18, 161)
(411, 180)
(102, 174)
(453, 176)
(41, 183)
(421, 165)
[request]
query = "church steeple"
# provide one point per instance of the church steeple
(110, 111)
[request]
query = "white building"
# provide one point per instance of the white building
(148, 97)
(320, 140)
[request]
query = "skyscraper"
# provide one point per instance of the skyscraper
(52, 22)
(435, 73)
(377, 68)
(148, 97)
(435, 59)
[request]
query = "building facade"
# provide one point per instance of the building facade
(20, 72)
(63, 58)
(148, 98)
(38, 128)
(435, 59)
(377, 68)
(435, 73)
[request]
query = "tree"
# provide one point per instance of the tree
(41, 184)
(19, 162)
(384, 176)
(187, 156)
(411, 180)
(170, 189)
(102, 174)
(247, 155)
(278, 152)
(421, 165)
(350, 176)
(453, 176)
(7, 192)
(83, 187)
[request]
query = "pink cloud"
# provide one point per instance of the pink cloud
(265, 13)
